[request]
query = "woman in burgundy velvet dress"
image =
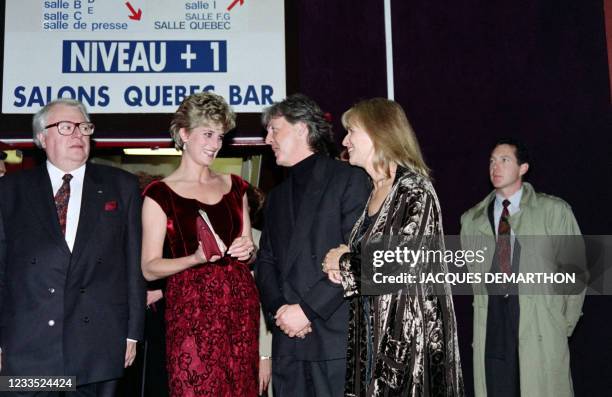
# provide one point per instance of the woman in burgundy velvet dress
(212, 305)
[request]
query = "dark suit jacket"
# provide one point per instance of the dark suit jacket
(95, 295)
(288, 269)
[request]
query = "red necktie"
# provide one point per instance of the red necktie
(61, 201)
(503, 240)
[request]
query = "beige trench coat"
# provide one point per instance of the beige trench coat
(546, 321)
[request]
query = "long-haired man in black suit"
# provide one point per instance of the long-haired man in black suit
(312, 211)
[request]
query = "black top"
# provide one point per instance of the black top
(300, 175)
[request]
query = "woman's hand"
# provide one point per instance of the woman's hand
(334, 276)
(331, 263)
(200, 258)
(242, 248)
(265, 373)
(153, 296)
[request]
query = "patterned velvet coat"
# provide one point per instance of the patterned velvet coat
(402, 343)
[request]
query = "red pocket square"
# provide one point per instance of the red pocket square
(110, 206)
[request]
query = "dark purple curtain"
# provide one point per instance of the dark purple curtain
(468, 73)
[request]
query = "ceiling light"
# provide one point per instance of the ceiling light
(152, 152)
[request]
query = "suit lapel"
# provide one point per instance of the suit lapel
(91, 206)
(491, 216)
(484, 220)
(43, 204)
(306, 213)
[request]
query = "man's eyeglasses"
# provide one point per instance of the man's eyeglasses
(68, 127)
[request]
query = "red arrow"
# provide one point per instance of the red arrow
(229, 8)
(135, 15)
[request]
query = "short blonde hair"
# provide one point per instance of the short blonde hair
(201, 109)
(389, 129)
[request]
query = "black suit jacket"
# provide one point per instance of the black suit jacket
(288, 269)
(94, 296)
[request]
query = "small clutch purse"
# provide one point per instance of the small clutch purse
(206, 235)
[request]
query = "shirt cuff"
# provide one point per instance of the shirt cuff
(132, 340)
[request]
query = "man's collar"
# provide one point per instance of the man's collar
(304, 165)
(515, 199)
(56, 173)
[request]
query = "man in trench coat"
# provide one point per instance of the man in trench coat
(520, 343)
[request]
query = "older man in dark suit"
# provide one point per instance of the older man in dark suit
(72, 295)
(309, 213)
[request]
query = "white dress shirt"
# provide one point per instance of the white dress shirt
(74, 203)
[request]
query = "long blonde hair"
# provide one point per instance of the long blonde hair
(389, 129)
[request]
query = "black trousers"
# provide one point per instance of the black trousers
(501, 347)
(295, 378)
(154, 380)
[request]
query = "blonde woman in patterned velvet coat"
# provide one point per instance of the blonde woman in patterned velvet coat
(402, 339)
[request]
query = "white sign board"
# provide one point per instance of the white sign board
(142, 56)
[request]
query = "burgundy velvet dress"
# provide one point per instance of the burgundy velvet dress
(212, 310)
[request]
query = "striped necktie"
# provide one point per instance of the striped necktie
(503, 240)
